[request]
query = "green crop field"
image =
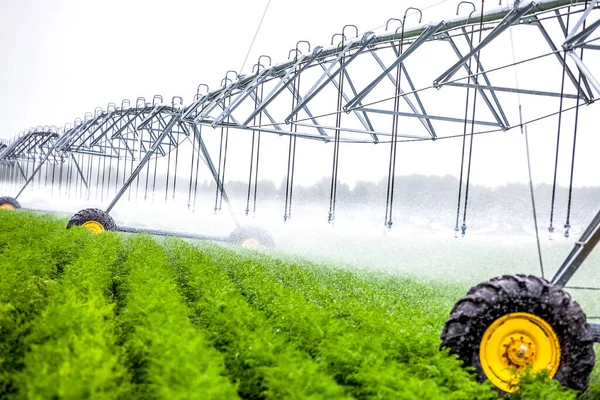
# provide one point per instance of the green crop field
(130, 316)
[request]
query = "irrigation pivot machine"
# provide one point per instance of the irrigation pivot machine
(405, 82)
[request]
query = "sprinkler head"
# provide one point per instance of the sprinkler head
(567, 230)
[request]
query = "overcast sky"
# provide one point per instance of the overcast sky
(62, 58)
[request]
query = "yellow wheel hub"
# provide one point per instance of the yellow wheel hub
(6, 207)
(250, 244)
(514, 342)
(94, 227)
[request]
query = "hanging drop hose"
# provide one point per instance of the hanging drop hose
(197, 167)
(60, 177)
(219, 171)
(292, 179)
(53, 174)
(287, 179)
(463, 228)
(155, 156)
(224, 157)
(224, 165)
(108, 177)
(250, 169)
(97, 178)
(464, 141)
(257, 101)
(394, 141)
(147, 180)
(336, 147)
(103, 176)
(176, 164)
(46, 176)
(117, 170)
(193, 141)
(137, 179)
(570, 196)
(560, 113)
(256, 169)
(89, 178)
(291, 155)
(168, 167)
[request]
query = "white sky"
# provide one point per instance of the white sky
(62, 58)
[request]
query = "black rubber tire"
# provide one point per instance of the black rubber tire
(93, 214)
(486, 302)
(252, 232)
(9, 200)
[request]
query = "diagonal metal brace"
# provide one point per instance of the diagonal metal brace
(583, 247)
(510, 18)
(423, 37)
(330, 76)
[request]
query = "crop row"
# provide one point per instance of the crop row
(28, 275)
(363, 348)
(168, 357)
(73, 351)
(256, 356)
(117, 316)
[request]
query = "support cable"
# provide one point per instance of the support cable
(527, 153)
(255, 35)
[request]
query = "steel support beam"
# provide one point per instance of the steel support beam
(582, 248)
(143, 161)
(425, 35)
(510, 18)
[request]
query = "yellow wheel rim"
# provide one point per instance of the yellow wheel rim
(6, 207)
(250, 244)
(94, 227)
(514, 342)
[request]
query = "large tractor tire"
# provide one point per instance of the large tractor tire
(509, 323)
(9, 203)
(96, 220)
(252, 237)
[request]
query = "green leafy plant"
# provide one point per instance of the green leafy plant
(72, 345)
(167, 356)
(264, 364)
